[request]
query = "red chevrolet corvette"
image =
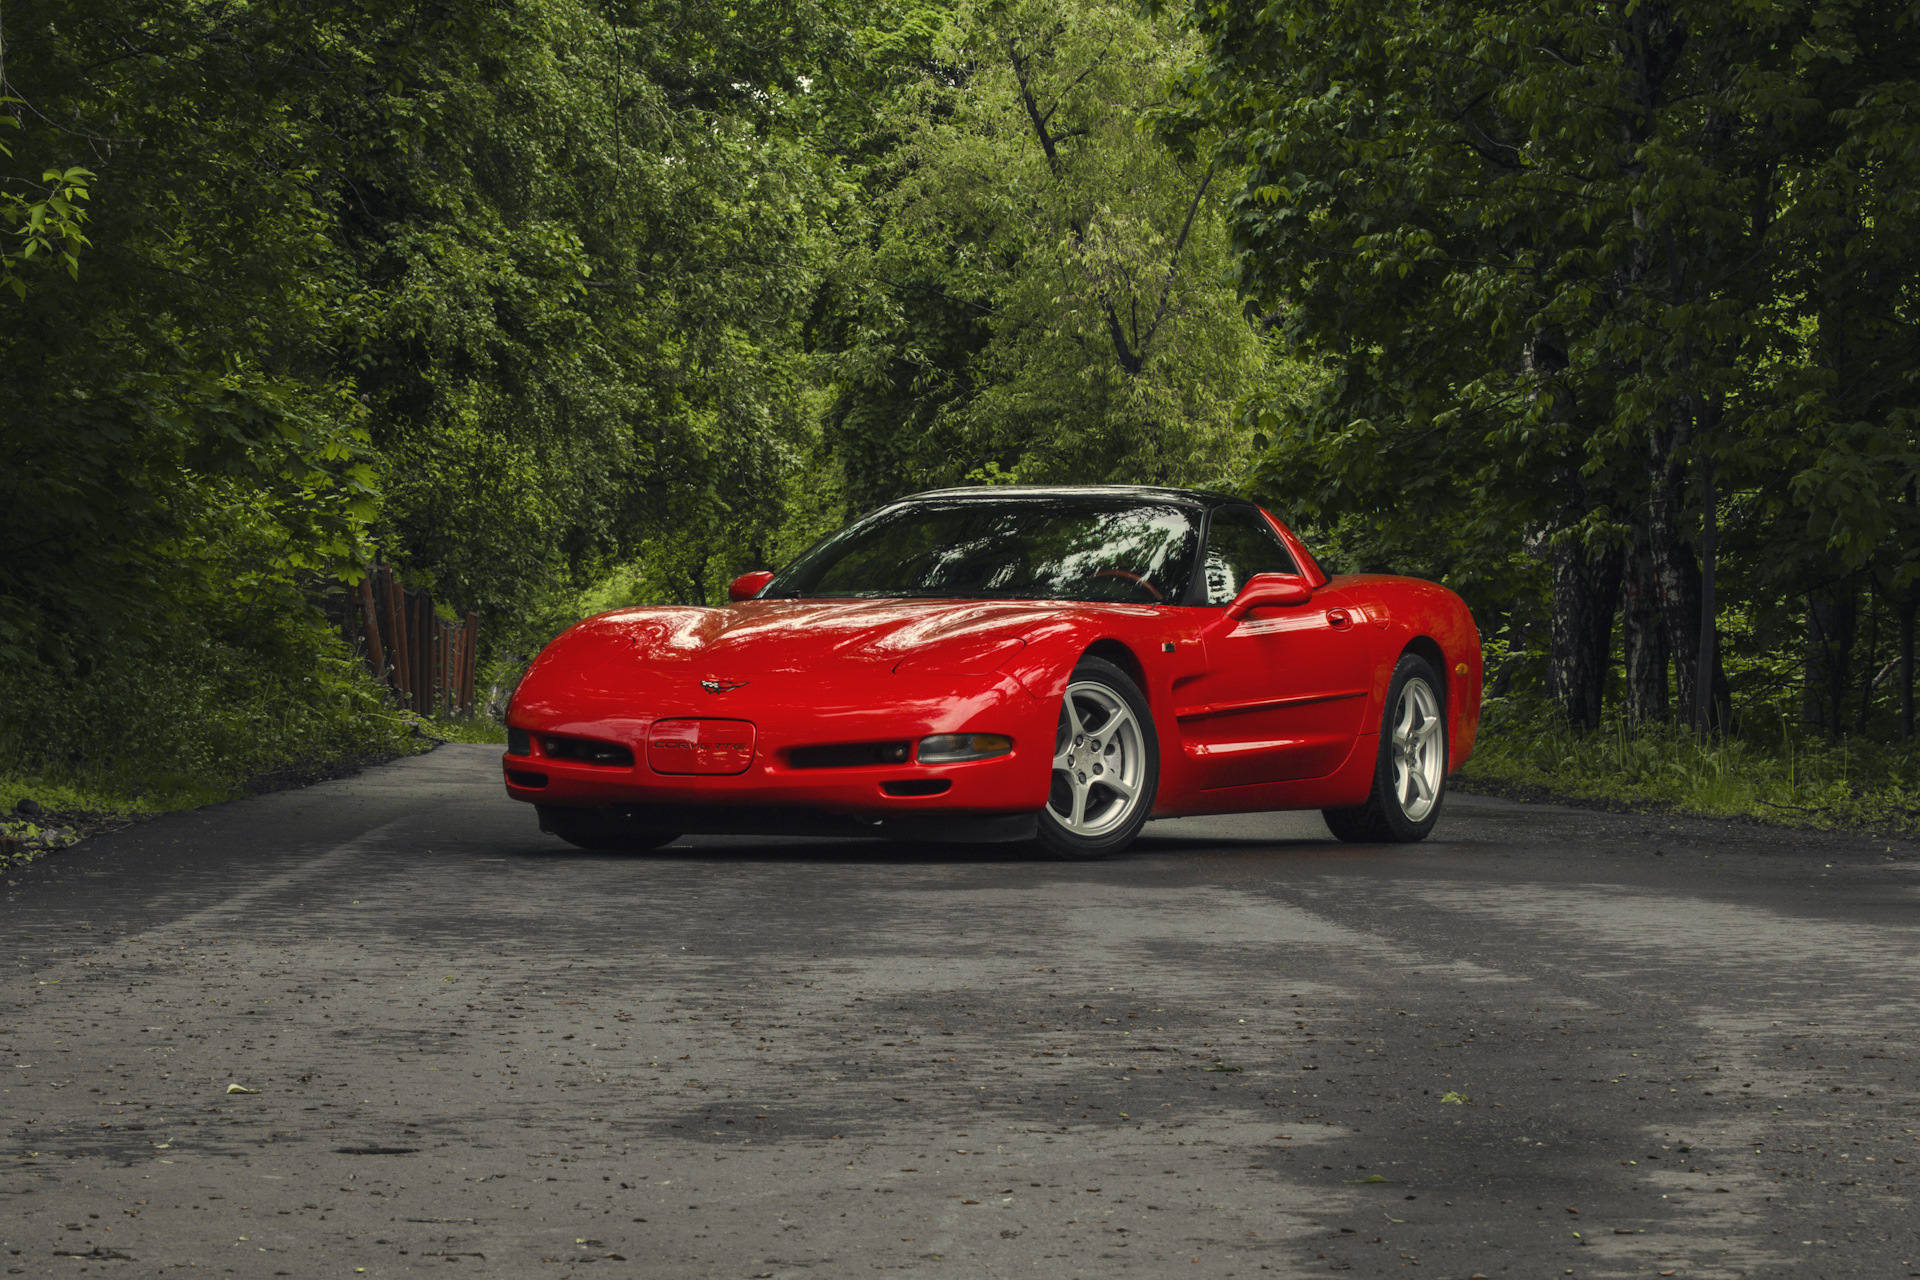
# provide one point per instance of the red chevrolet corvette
(1004, 663)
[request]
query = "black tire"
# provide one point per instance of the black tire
(1390, 816)
(1113, 721)
(600, 831)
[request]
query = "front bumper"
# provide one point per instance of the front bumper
(776, 792)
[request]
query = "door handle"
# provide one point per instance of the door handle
(1339, 619)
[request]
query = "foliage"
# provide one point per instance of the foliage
(1043, 292)
(190, 717)
(173, 385)
(51, 225)
(505, 292)
(1581, 278)
(1786, 777)
(478, 729)
(582, 286)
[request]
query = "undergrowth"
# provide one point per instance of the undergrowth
(1773, 773)
(480, 728)
(187, 717)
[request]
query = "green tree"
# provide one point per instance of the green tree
(1043, 294)
(1553, 261)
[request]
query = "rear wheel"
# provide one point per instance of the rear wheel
(1410, 776)
(600, 831)
(1106, 765)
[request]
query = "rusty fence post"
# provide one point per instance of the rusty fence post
(390, 627)
(430, 665)
(402, 649)
(376, 659)
(423, 652)
(472, 649)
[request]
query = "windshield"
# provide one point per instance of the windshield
(1111, 549)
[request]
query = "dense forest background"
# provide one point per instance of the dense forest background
(1602, 313)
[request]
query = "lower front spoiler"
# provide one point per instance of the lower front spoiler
(715, 820)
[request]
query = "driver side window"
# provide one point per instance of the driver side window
(1240, 544)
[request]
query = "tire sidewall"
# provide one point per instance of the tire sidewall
(1386, 795)
(1057, 839)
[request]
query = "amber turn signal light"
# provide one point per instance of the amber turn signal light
(951, 748)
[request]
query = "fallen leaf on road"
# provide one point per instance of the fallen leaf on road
(240, 1088)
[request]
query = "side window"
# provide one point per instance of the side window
(1240, 544)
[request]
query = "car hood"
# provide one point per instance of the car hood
(804, 639)
(767, 636)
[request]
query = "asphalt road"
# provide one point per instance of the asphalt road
(1545, 1043)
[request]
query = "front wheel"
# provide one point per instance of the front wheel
(1106, 765)
(1410, 777)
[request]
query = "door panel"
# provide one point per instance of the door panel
(1283, 696)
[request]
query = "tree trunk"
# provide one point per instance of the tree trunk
(1908, 602)
(1586, 589)
(1645, 637)
(1676, 573)
(1872, 669)
(1831, 619)
(1706, 664)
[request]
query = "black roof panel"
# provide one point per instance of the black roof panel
(1143, 492)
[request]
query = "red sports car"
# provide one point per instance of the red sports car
(1006, 663)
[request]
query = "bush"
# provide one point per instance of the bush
(1790, 777)
(189, 714)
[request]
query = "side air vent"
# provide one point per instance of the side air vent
(519, 742)
(526, 778)
(850, 755)
(587, 751)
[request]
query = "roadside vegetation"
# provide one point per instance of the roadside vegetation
(1795, 778)
(1603, 315)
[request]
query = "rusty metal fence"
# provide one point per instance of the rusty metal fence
(425, 660)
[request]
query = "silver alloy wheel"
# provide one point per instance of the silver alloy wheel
(1419, 750)
(1099, 761)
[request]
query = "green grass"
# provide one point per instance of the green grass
(1774, 774)
(116, 796)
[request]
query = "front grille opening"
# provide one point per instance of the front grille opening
(526, 778)
(917, 787)
(850, 755)
(519, 742)
(587, 751)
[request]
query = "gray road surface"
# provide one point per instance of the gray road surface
(1546, 1043)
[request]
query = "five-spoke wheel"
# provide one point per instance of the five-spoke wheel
(1419, 750)
(1410, 772)
(1106, 765)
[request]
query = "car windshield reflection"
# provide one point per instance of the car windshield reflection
(1017, 549)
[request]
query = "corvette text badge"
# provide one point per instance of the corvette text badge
(700, 746)
(723, 686)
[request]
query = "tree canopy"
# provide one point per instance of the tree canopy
(1586, 282)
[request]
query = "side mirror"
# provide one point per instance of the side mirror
(747, 585)
(1269, 591)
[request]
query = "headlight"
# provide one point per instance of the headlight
(950, 748)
